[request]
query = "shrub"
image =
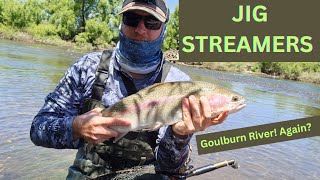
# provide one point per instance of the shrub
(42, 30)
(98, 33)
(291, 71)
(273, 68)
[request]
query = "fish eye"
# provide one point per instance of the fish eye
(235, 98)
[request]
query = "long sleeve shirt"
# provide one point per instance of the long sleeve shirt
(52, 126)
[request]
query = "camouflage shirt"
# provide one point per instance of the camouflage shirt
(52, 126)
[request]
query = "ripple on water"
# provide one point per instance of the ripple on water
(30, 73)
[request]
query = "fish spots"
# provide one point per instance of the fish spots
(161, 104)
(151, 90)
(153, 104)
(139, 107)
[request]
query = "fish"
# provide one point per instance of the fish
(161, 104)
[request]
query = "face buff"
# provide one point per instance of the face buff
(139, 56)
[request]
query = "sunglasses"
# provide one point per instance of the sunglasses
(132, 19)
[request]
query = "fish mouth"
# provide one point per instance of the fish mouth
(241, 106)
(238, 108)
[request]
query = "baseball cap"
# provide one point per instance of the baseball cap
(157, 8)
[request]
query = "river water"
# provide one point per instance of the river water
(29, 72)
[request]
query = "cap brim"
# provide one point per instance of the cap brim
(146, 9)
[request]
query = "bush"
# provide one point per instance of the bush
(81, 39)
(310, 67)
(291, 71)
(98, 33)
(255, 68)
(273, 68)
(7, 31)
(13, 14)
(42, 30)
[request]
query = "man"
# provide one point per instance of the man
(136, 63)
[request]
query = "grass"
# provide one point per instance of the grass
(10, 33)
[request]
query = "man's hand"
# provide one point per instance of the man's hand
(94, 128)
(196, 119)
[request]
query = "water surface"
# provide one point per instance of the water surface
(29, 72)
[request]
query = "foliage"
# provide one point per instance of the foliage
(13, 14)
(34, 11)
(172, 34)
(289, 70)
(97, 20)
(94, 22)
(113, 8)
(61, 14)
(97, 33)
(292, 71)
(7, 32)
(83, 10)
(42, 30)
(270, 67)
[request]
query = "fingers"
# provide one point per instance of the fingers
(206, 113)
(119, 122)
(94, 128)
(195, 113)
(98, 133)
(205, 106)
(201, 116)
(187, 116)
(107, 132)
(185, 109)
(107, 121)
(92, 113)
(102, 129)
(97, 109)
(219, 119)
(196, 118)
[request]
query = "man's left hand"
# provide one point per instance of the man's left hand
(195, 118)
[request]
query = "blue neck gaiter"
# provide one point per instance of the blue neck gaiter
(139, 56)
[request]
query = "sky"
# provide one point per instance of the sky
(172, 4)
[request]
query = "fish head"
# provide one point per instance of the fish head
(226, 101)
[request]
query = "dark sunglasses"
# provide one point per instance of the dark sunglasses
(133, 19)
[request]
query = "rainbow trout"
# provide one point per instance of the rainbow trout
(161, 104)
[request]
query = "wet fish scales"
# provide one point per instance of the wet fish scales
(161, 104)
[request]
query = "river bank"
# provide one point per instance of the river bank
(302, 71)
(9, 33)
(296, 71)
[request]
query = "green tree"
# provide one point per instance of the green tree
(108, 11)
(84, 9)
(35, 11)
(61, 14)
(101, 27)
(172, 34)
(14, 14)
(1, 11)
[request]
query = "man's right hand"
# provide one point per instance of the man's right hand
(94, 128)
